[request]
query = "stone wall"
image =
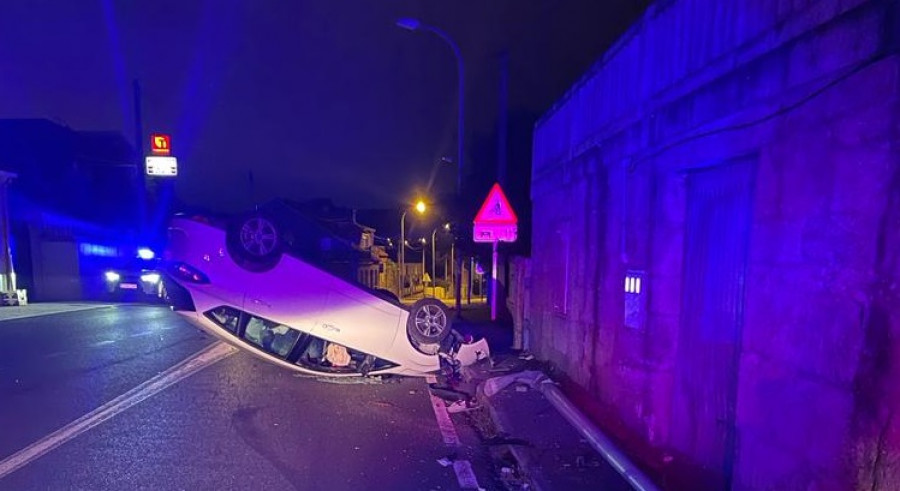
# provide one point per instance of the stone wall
(807, 92)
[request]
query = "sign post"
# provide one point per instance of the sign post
(160, 172)
(495, 222)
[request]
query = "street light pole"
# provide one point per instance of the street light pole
(453, 263)
(446, 228)
(415, 25)
(424, 285)
(433, 271)
(401, 254)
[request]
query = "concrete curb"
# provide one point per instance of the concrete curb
(547, 390)
(601, 443)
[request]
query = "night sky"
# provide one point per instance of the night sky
(315, 98)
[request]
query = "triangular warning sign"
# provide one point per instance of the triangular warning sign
(496, 209)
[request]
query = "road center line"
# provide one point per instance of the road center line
(205, 357)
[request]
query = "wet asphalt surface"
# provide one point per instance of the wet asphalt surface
(238, 424)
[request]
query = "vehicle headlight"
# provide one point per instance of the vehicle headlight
(111, 276)
(150, 278)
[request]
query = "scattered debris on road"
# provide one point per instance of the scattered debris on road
(530, 378)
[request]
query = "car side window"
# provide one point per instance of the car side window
(226, 317)
(275, 338)
(324, 356)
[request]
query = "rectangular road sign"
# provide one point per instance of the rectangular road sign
(159, 166)
(492, 232)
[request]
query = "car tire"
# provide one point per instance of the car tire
(429, 322)
(255, 242)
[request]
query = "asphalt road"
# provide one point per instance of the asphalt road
(239, 423)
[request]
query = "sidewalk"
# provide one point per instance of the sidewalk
(467, 304)
(48, 308)
(549, 452)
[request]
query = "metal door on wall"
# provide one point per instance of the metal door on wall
(717, 237)
(60, 277)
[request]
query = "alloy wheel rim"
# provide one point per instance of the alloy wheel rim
(430, 320)
(258, 236)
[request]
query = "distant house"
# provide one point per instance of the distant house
(330, 237)
(76, 205)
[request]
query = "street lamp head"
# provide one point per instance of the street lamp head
(409, 24)
(423, 241)
(447, 226)
(420, 206)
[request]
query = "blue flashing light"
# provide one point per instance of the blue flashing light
(88, 249)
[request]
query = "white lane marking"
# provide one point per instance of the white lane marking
(142, 334)
(465, 475)
(445, 424)
(186, 368)
(462, 468)
(102, 343)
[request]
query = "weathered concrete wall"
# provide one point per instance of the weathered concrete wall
(807, 92)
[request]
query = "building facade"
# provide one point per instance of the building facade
(716, 251)
(75, 206)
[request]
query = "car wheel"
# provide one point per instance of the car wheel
(255, 242)
(429, 322)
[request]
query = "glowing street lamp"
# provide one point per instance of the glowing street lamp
(401, 255)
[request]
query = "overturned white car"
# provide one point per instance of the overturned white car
(240, 281)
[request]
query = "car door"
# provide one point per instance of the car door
(292, 293)
(356, 318)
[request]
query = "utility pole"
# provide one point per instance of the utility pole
(502, 119)
(143, 192)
